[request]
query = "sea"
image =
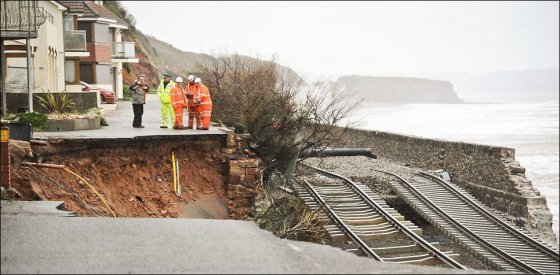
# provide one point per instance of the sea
(531, 128)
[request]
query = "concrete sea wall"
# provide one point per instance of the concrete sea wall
(489, 173)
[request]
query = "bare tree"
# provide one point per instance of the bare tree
(283, 114)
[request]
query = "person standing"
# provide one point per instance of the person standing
(202, 98)
(191, 107)
(179, 102)
(164, 93)
(139, 90)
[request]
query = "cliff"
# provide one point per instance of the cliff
(399, 89)
(157, 56)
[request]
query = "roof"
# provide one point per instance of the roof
(73, 6)
(91, 10)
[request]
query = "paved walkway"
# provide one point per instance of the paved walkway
(120, 115)
(36, 239)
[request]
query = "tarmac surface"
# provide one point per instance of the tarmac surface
(38, 237)
(42, 239)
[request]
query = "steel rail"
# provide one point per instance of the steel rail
(342, 224)
(514, 261)
(545, 249)
(409, 233)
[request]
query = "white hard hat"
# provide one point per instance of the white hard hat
(190, 78)
(179, 79)
(197, 80)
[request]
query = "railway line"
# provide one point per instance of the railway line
(353, 213)
(463, 218)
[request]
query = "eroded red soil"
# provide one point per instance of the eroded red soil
(135, 177)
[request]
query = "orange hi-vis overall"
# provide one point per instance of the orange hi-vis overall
(178, 101)
(204, 108)
(191, 106)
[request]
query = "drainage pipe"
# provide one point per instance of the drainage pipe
(333, 152)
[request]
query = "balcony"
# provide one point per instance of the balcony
(123, 50)
(21, 19)
(75, 41)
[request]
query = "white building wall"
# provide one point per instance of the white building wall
(48, 59)
(118, 67)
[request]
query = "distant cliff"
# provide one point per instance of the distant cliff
(399, 89)
(505, 86)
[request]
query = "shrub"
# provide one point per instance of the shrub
(103, 120)
(56, 102)
(37, 120)
(127, 94)
(10, 116)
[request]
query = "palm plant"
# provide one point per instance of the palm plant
(56, 102)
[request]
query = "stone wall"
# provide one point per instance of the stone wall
(243, 176)
(489, 173)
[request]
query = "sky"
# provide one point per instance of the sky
(366, 38)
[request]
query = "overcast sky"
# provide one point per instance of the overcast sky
(367, 38)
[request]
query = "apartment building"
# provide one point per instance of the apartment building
(33, 47)
(53, 45)
(107, 52)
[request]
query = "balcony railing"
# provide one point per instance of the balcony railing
(75, 41)
(21, 16)
(123, 50)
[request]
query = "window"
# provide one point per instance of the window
(70, 71)
(86, 26)
(111, 35)
(86, 73)
(69, 23)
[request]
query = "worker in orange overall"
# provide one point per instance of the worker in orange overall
(179, 102)
(202, 98)
(191, 106)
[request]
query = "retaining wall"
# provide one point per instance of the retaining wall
(73, 124)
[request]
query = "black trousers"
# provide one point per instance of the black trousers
(138, 112)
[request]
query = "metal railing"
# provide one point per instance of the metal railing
(48, 16)
(75, 41)
(21, 16)
(123, 50)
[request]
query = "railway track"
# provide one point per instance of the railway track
(354, 214)
(462, 218)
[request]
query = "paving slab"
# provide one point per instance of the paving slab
(35, 208)
(119, 117)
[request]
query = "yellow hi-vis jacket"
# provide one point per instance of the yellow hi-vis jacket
(165, 94)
